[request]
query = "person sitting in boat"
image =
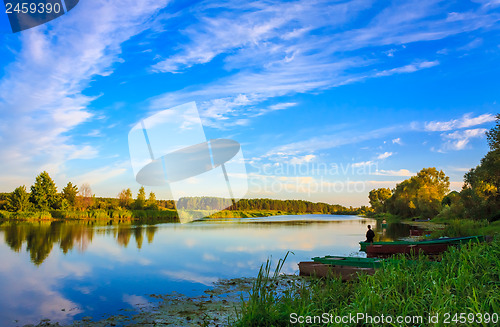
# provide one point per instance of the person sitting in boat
(370, 234)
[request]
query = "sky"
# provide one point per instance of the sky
(328, 99)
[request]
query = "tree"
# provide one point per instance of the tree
(19, 199)
(43, 192)
(420, 195)
(151, 203)
(140, 202)
(493, 135)
(378, 198)
(481, 192)
(70, 193)
(85, 198)
(125, 198)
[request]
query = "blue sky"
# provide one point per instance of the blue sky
(328, 99)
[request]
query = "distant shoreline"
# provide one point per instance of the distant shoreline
(167, 215)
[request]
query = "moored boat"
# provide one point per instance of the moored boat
(349, 261)
(317, 269)
(389, 249)
(443, 240)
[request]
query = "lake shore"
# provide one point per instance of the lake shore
(146, 216)
(232, 302)
(216, 307)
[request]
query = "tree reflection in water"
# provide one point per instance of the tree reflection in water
(40, 237)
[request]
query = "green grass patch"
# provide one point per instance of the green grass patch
(467, 280)
(467, 227)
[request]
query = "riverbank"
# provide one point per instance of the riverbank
(145, 216)
(465, 281)
(441, 227)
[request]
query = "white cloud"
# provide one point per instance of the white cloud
(277, 49)
(330, 141)
(302, 160)
(362, 164)
(41, 92)
(397, 141)
(411, 68)
(384, 155)
(401, 172)
(87, 152)
(458, 140)
(102, 174)
(464, 122)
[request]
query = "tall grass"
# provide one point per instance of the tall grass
(26, 216)
(461, 227)
(466, 280)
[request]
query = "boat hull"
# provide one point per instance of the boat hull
(389, 249)
(447, 240)
(311, 268)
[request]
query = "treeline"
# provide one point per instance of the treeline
(427, 195)
(290, 206)
(45, 202)
(44, 197)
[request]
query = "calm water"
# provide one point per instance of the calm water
(66, 271)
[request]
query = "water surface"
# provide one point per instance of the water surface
(68, 270)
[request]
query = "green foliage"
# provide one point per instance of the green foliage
(19, 200)
(290, 206)
(43, 192)
(480, 195)
(461, 227)
(69, 193)
(493, 135)
(125, 198)
(378, 198)
(140, 202)
(151, 203)
(419, 195)
(467, 278)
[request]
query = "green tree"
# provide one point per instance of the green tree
(19, 200)
(420, 195)
(125, 198)
(480, 194)
(70, 193)
(151, 203)
(378, 198)
(43, 192)
(140, 201)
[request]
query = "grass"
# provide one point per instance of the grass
(145, 216)
(390, 218)
(466, 280)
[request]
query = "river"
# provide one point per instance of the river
(65, 271)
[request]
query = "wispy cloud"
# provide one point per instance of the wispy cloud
(397, 141)
(458, 140)
(273, 49)
(384, 155)
(324, 142)
(302, 160)
(41, 93)
(465, 122)
(401, 172)
(102, 174)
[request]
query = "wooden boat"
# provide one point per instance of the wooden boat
(443, 240)
(349, 261)
(389, 249)
(317, 269)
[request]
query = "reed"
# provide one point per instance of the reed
(466, 280)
